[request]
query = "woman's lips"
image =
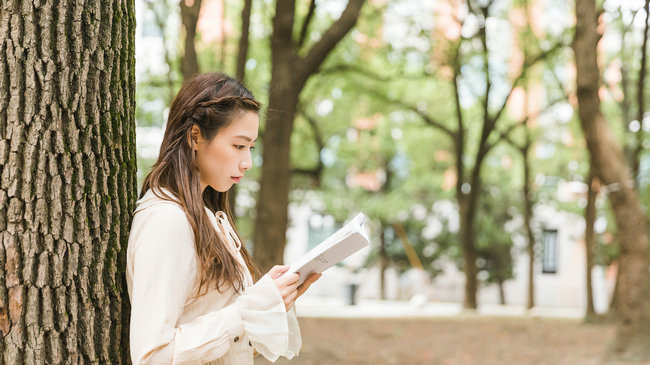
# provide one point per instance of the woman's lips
(236, 178)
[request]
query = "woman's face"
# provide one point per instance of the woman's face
(223, 160)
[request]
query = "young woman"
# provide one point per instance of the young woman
(189, 277)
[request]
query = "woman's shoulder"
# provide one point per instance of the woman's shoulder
(158, 199)
(160, 213)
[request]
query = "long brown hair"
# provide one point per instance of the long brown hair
(209, 101)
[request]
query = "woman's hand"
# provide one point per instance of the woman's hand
(288, 284)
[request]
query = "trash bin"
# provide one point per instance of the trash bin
(351, 294)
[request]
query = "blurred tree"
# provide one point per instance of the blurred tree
(68, 180)
(459, 55)
(630, 93)
(289, 73)
(590, 238)
(190, 10)
(494, 244)
(161, 12)
(240, 72)
(242, 52)
(633, 100)
(633, 325)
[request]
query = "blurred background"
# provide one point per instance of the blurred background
(454, 127)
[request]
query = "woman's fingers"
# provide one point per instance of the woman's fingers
(288, 279)
(290, 299)
(278, 270)
(288, 284)
(307, 283)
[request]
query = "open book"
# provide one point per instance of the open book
(349, 239)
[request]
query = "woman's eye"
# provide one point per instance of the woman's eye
(240, 146)
(252, 147)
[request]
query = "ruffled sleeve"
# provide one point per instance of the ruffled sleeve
(272, 330)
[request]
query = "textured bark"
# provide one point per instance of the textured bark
(189, 17)
(68, 179)
(289, 73)
(590, 240)
(633, 322)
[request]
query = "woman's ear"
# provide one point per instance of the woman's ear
(195, 136)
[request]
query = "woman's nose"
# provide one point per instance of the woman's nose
(247, 163)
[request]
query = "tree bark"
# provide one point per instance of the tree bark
(67, 179)
(633, 323)
(289, 73)
(189, 17)
(590, 241)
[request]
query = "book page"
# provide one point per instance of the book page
(349, 239)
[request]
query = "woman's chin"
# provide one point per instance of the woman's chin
(222, 188)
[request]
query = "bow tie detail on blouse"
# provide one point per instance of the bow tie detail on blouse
(226, 228)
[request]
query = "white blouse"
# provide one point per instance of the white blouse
(171, 326)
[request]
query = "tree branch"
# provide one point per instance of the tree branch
(527, 65)
(505, 134)
(426, 118)
(317, 54)
(315, 172)
(364, 71)
(306, 23)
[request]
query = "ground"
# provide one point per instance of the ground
(455, 340)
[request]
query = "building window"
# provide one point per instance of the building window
(549, 260)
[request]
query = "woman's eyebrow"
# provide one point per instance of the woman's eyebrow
(249, 139)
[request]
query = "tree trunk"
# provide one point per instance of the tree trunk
(289, 73)
(528, 213)
(633, 325)
(68, 180)
(467, 236)
(224, 40)
(383, 262)
(273, 198)
(161, 24)
(502, 293)
(640, 94)
(242, 52)
(189, 17)
(590, 241)
(240, 73)
(613, 302)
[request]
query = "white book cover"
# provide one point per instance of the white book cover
(349, 239)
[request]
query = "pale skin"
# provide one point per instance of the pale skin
(222, 162)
